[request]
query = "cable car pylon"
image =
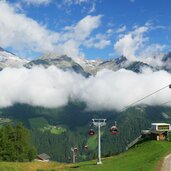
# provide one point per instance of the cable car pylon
(99, 123)
(74, 153)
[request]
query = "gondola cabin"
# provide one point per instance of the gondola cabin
(86, 147)
(114, 130)
(91, 132)
(75, 149)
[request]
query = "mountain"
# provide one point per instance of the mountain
(90, 66)
(8, 59)
(87, 67)
(167, 61)
(93, 66)
(63, 62)
(81, 65)
(122, 62)
(167, 57)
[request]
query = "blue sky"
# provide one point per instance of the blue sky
(128, 27)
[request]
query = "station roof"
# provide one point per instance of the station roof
(160, 124)
(43, 156)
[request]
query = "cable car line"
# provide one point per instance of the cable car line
(169, 85)
(114, 129)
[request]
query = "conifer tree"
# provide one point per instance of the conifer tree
(15, 144)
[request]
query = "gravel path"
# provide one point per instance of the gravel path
(166, 166)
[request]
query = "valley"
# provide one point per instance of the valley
(74, 123)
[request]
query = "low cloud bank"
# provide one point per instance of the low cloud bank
(109, 90)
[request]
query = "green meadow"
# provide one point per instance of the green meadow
(143, 157)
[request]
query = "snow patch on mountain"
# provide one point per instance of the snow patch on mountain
(8, 59)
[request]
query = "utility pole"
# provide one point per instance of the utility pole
(74, 151)
(99, 123)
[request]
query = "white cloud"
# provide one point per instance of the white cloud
(25, 34)
(84, 27)
(121, 29)
(93, 8)
(152, 55)
(115, 90)
(43, 87)
(108, 90)
(135, 46)
(87, 6)
(130, 43)
(100, 41)
(102, 44)
(109, 31)
(37, 2)
(75, 36)
(76, 2)
(21, 32)
(70, 48)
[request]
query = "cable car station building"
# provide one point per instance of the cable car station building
(158, 131)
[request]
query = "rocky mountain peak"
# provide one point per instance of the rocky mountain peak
(8, 59)
(81, 65)
(1, 49)
(167, 57)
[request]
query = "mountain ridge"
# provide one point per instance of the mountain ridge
(8, 59)
(82, 66)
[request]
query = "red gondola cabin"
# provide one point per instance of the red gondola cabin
(91, 132)
(114, 130)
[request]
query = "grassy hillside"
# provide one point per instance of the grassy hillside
(32, 166)
(75, 121)
(143, 157)
(37, 123)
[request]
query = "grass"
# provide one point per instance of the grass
(92, 142)
(30, 166)
(143, 157)
(38, 123)
(42, 124)
(58, 130)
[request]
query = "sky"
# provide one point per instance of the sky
(89, 29)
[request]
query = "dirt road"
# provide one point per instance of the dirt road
(166, 166)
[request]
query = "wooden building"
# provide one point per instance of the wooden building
(43, 157)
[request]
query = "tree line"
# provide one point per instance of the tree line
(15, 144)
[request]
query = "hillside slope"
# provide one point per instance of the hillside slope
(143, 157)
(74, 123)
(31, 166)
